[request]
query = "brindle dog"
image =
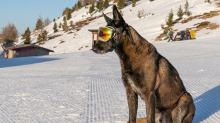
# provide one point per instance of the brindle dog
(148, 74)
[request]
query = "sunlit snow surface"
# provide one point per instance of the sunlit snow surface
(84, 87)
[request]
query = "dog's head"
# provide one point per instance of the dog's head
(117, 23)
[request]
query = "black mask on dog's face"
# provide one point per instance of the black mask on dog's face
(117, 23)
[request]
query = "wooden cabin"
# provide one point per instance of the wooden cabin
(25, 50)
(94, 36)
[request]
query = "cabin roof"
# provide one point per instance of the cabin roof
(93, 30)
(26, 45)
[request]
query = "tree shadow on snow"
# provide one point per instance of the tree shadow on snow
(23, 61)
(207, 104)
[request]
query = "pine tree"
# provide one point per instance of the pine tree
(71, 23)
(73, 9)
(39, 24)
(169, 20)
(120, 4)
(79, 5)
(60, 25)
(27, 31)
(180, 12)
(100, 6)
(106, 4)
(55, 27)
(123, 3)
(186, 6)
(188, 13)
(44, 35)
(151, 0)
(27, 37)
(93, 7)
(69, 15)
(39, 38)
(97, 4)
(133, 3)
(90, 9)
(65, 27)
(54, 20)
(64, 18)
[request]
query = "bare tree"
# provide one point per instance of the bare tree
(76, 7)
(46, 21)
(88, 2)
(82, 2)
(65, 12)
(85, 2)
(71, 23)
(9, 34)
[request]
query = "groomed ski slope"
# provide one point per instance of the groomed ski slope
(84, 87)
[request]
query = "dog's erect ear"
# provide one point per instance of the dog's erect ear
(117, 16)
(107, 19)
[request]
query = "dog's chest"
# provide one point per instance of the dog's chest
(134, 87)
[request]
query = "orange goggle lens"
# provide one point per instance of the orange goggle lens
(104, 34)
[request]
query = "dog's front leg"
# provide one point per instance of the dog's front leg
(150, 106)
(132, 98)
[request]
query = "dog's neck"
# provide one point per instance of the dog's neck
(128, 52)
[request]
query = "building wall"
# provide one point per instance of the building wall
(20, 52)
(11, 53)
(41, 51)
(5, 55)
(30, 51)
(25, 51)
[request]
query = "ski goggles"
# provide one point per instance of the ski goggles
(106, 33)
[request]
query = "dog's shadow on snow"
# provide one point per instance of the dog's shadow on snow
(24, 61)
(207, 104)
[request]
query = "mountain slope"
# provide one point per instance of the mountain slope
(149, 27)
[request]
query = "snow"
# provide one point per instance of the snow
(84, 87)
(79, 86)
(149, 27)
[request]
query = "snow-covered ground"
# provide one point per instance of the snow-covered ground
(84, 87)
(79, 86)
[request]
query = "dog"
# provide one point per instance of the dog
(148, 74)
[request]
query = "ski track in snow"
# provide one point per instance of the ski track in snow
(84, 87)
